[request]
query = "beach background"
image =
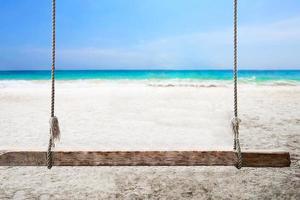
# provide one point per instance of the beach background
(151, 110)
(150, 75)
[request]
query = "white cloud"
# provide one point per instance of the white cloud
(265, 45)
(260, 46)
(282, 31)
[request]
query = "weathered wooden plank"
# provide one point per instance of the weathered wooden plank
(145, 158)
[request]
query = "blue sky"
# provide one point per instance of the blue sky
(149, 34)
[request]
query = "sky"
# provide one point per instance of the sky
(149, 34)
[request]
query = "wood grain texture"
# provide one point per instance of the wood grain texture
(145, 158)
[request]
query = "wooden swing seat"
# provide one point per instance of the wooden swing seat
(145, 158)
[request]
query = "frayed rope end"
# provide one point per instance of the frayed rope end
(54, 130)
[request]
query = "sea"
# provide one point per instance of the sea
(281, 77)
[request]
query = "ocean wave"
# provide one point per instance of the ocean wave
(23, 83)
(281, 83)
(192, 83)
(248, 79)
(185, 85)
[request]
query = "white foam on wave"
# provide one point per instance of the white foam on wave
(193, 83)
(22, 83)
(282, 83)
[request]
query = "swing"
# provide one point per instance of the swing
(144, 158)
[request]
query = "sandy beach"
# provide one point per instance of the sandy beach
(149, 115)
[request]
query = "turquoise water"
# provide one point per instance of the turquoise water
(247, 75)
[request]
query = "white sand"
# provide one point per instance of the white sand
(141, 115)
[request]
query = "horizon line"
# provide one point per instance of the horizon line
(158, 69)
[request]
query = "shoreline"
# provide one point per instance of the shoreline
(196, 83)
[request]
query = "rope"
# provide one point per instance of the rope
(235, 120)
(53, 58)
(54, 127)
(49, 154)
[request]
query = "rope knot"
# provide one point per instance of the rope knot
(54, 130)
(235, 122)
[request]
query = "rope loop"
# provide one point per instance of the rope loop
(235, 123)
